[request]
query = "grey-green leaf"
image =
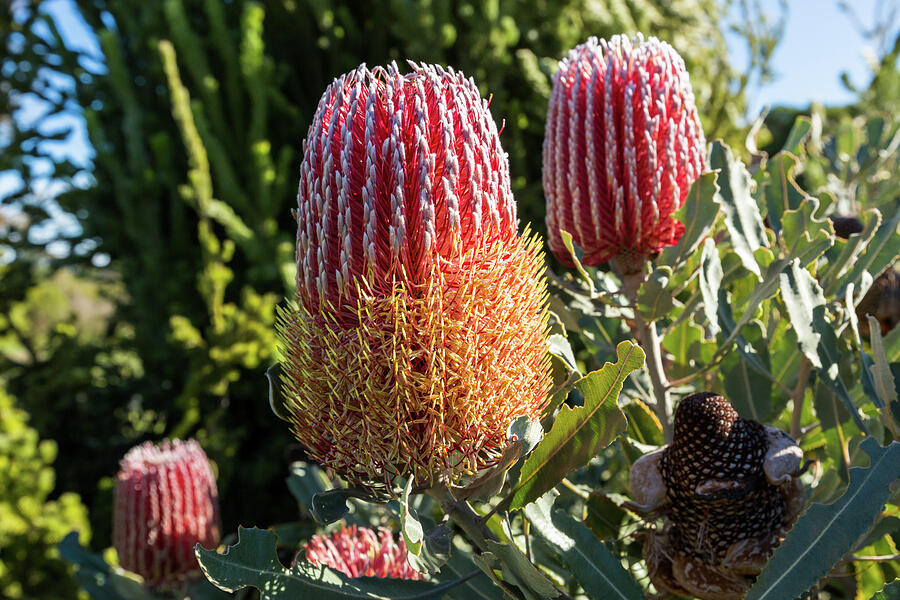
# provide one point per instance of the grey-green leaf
(742, 218)
(594, 567)
(889, 592)
(697, 214)
(273, 375)
(710, 281)
(827, 532)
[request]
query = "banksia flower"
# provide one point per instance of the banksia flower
(729, 488)
(361, 552)
(166, 502)
(419, 326)
(623, 145)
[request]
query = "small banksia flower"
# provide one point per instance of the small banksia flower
(166, 502)
(623, 145)
(361, 552)
(419, 326)
(729, 489)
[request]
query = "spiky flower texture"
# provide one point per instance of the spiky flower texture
(419, 327)
(165, 503)
(361, 552)
(623, 145)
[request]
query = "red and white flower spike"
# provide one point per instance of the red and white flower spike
(623, 145)
(165, 503)
(361, 552)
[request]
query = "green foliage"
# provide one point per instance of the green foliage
(827, 532)
(30, 523)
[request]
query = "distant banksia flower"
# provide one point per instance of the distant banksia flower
(361, 552)
(419, 327)
(729, 488)
(166, 502)
(623, 145)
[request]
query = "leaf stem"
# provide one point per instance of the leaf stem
(797, 397)
(651, 345)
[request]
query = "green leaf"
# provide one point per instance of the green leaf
(654, 300)
(603, 516)
(276, 403)
(710, 282)
(643, 424)
(578, 433)
(434, 551)
(848, 251)
(252, 562)
(697, 214)
(560, 348)
(778, 188)
(890, 592)
(570, 246)
(800, 129)
(827, 532)
(597, 570)
(880, 252)
(748, 391)
(519, 571)
(305, 481)
(331, 505)
(742, 218)
(882, 377)
(805, 304)
(806, 237)
(412, 530)
(96, 577)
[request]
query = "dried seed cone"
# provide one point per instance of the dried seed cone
(361, 552)
(419, 327)
(731, 493)
(165, 503)
(623, 145)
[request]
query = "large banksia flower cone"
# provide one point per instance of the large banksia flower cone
(361, 552)
(166, 502)
(623, 145)
(729, 488)
(419, 327)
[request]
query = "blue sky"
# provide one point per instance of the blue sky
(820, 42)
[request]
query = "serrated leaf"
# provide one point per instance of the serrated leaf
(780, 191)
(434, 551)
(710, 282)
(890, 592)
(742, 218)
(822, 536)
(252, 562)
(95, 576)
(848, 251)
(597, 570)
(805, 304)
(331, 505)
(880, 252)
(697, 214)
(805, 236)
(578, 433)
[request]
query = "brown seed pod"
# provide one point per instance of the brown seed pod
(729, 490)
